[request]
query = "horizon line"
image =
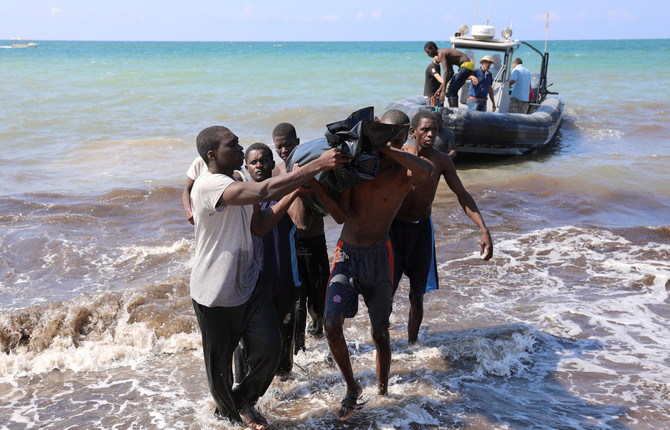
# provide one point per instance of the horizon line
(14, 40)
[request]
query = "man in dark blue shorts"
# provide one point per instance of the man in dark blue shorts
(414, 250)
(363, 262)
(412, 230)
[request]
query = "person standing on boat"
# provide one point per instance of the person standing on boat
(482, 81)
(520, 96)
(411, 232)
(433, 82)
(453, 82)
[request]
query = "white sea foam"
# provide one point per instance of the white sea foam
(126, 345)
(580, 283)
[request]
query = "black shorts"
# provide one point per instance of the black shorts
(365, 270)
(414, 254)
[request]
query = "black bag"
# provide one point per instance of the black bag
(359, 136)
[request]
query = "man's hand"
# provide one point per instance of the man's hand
(333, 158)
(486, 246)
(303, 191)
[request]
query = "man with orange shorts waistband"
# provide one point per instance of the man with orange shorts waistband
(363, 258)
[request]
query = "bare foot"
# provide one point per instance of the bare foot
(253, 418)
(350, 403)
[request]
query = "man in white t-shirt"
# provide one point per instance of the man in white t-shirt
(228, 304)
(197, 168)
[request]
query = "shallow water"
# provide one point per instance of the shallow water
(565, 328)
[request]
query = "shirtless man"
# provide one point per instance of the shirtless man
(363, 258)
(412, 230)
(449, 58)
(310, 243)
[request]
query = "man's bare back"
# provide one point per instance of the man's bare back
(451, 57)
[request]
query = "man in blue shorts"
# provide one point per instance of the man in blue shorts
(363, 262)
(412, 230)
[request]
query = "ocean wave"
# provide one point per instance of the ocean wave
(96, 331)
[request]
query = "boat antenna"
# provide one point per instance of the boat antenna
(476, 8)
(546, 33)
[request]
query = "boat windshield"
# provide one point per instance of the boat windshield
(499, 68)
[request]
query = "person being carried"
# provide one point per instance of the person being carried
(363, 258)
(521, 81)
(278, 273)
(450, 57)
(311, 249)
(228, 302)
(482, 85)
(412, 229)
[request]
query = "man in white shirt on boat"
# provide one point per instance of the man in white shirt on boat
(520, 80)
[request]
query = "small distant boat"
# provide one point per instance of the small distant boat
(501, 132)
(23, 45)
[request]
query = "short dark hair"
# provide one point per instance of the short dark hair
(395, 116)
(285, 129)
(416, 119)
(258, 146)
(209, 140)
(429, 46)
(517, 60)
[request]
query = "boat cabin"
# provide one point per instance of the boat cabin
(482, 43)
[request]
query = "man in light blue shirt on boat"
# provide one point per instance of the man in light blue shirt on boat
(520, 96)
(482, 81)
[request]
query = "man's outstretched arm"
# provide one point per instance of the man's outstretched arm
(468, 204)
(418, 168)
(244, 193)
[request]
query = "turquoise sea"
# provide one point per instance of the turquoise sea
(566, 327)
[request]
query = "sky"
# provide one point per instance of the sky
(338, 20)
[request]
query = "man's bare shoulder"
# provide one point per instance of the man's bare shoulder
(280, 169)
(439, 159)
